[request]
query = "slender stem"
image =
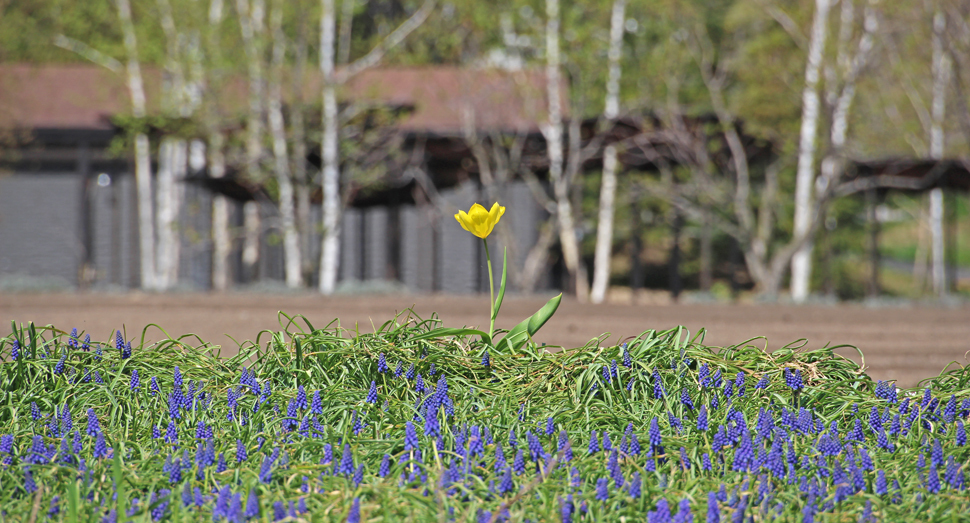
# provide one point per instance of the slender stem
(491, 290)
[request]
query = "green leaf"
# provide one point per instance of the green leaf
(116, 469)
(299, 353)
(501, 287)
(531, 325)
(447, 331)
(73, 501)
(32, 332)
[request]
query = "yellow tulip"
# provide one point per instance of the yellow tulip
(478, 221)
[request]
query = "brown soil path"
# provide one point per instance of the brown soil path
(906, 344)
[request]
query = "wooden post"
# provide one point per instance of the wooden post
(676, 286)
(825, 246)
(707, 271)
(950, 240)
(636, 247)
(735, 261)
(86, 272)
(872, 222)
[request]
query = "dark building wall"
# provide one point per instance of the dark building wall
(42, 235)
(195, 226)
(40, 226)
(113, 230)
(378, 261)
(417, 248)
(351, 245)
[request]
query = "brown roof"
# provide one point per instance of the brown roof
(445, 99)
(441, 99)
(62, 96)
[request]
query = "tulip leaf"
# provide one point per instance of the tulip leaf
(448, 331)
(501, 287)
(521, 333)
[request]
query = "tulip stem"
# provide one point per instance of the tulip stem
(491, 290)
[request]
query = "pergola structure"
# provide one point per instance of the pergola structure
(878, 177)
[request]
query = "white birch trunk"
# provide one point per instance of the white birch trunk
(146, 225)
(604, 226)
(553, 133)
(801, 262)
(221, 240)
(937, 258)
(833, 164)
(941, 73)
(291, 239)
(252, 226)
(251, 15)
(300, 175)
(171, 162)
(143, 161)
(329, 248)
(330, 244)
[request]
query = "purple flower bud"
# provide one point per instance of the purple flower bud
(100, 447)
(354, 515)
(385, 466)
(655, 437)
(518, 464)
(602, 489)
(658, 390)
(371, 394)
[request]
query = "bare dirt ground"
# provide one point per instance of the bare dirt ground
(905, 344)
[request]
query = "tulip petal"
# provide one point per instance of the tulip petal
(463, 220)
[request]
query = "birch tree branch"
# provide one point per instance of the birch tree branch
(786, 23)
(396, 37)
(892, 181)
(88, 53)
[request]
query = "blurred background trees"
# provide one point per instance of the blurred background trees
(763, 105)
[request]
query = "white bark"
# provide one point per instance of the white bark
(937, 259)
(252, 227)
(221, 240)
(291, 240)
(833, 163)
(941, 73)
(329, 249)
(801, 263)
(251, 15)
(146, 226)
(604, 226)
(553, 133)
(615, 54)
(300, 175)
(143, 161)
(171, 167)
(176, 99)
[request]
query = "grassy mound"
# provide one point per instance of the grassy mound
(329, 425)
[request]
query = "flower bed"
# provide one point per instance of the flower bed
(321, 424)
